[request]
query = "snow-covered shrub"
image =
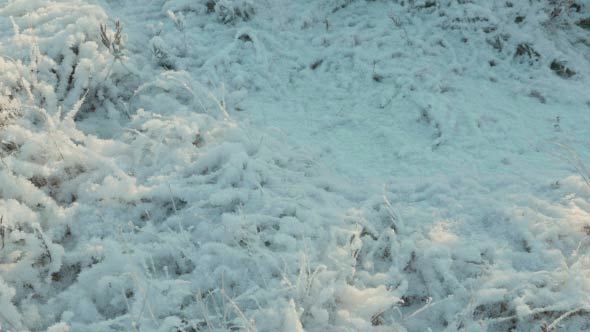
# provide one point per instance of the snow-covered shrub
(52, 65)
(62, 46)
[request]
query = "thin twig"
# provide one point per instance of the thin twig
(2, 230)
(237, 309)
(553, 325)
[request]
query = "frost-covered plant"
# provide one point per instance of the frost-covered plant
(10, 107)
(160, 53)
(179, 23)
(58, 65)
(398, 23)
(50, 66)
(113, 42)
(230, 11)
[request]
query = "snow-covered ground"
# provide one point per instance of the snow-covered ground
(277, 165)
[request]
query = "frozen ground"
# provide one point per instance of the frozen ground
(331, 165)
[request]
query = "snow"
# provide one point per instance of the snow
(334, 165)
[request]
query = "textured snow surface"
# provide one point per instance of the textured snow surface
(274, 165)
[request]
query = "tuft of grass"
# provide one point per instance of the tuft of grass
(560, 68)
(113, 42)
(526, 50)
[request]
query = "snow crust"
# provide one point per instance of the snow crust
(333, 165)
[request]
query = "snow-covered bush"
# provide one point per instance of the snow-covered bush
(61, 45)
(52, 66)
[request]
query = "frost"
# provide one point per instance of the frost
(294, 166)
